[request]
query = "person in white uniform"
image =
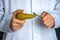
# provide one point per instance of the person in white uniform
(33, 29)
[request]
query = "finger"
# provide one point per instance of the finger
(43, 14)
(15, 24)
(46, 17)
(49, 23)
(46, 22)
(49, 19)
(17, 11)
(23, 21)
(16, 28)
(50, 26)
(18, 21)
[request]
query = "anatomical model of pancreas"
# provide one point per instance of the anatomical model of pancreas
(23, 16)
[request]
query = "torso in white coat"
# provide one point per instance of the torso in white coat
(33, 29)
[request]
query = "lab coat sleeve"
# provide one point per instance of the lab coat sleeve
(56, 15)
(5, 19)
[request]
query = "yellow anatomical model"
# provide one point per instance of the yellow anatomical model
(23, 16)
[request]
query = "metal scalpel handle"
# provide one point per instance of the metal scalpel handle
(36, 14)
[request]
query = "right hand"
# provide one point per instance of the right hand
(47, 20)
(15, 23)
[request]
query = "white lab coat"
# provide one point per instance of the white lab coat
(32, 29)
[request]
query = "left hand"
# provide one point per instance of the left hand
(16, 24)
(47, 19)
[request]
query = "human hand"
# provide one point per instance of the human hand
(15, 23)
(47, 19)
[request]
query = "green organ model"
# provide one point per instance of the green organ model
(23, 16)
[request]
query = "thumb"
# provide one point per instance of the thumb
(15, 12)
